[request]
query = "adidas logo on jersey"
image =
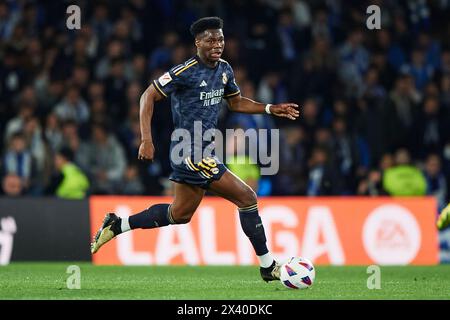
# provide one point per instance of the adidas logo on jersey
(203, 84)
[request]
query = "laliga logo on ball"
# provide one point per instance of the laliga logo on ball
(297, 273)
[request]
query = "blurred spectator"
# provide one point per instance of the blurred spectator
(431, 128)
(105, 160)
(122, 33)
(179, 55)
(137, 71)
(288, 36)
(431, 48)
(386, 162)
(19, 38)
(8, 20)
(445, 62)
(419, 69)
(314, 73)
(116, 85)
(233, 53)
(366, 125)
(52, 132)
(445, 95)
(30, 19)
(271, 89)
(19, 161)
(50, 91)
(371, 186)
(99, 111)
(301, 12)
(17, 123)
(402, 32)
(321, 26)
(262, 44)
(323, 138)
(291, 178)
(386, 71)
(372, 90)
(100, 23)
(404, 179)
(130, 132)
(351, 155)
(28, 96)
(134, 25)
(12, 185)
(12, 76)
(436, 182)
(132, 184)
(114, 51)
(133, 93)
(419, 14)
(70, 182)
(92, 42)
(390, 50)
(33, 134)
(72, 107)
(354, 61)
(323, 178)
(161, 56)
(310, 118)
(80, 78)
(72, 140)
(96, 91)
(77, 55)
(400, 113)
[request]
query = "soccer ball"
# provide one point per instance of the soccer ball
(297, 273)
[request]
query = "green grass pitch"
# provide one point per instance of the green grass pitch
(48, 281)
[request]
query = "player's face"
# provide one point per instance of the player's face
(211, 44)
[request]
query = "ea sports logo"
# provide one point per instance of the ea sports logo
(391, 235)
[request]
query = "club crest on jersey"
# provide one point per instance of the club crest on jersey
(224, 78)
(164, 79)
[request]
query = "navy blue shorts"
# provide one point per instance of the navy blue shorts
(198, 174)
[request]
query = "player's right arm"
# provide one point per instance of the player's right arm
(159, 89)
(147, 103)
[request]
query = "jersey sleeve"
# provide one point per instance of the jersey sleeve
(231, 88)
(167, 83)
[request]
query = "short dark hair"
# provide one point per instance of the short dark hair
(17, 135)
(206, 23)
(66, 153)
(102, 125)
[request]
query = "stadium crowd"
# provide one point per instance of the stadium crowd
(375, 104)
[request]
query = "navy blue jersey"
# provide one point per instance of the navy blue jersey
(196, 92)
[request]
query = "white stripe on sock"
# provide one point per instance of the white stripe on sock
(125, 225)
(265, 260)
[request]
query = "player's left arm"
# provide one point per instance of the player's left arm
(245, 105)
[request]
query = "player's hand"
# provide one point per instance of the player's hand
(146, 150)
(285, 110)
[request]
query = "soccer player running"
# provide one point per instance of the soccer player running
(196, 89)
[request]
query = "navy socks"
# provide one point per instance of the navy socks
(252, 225)
(156, 216)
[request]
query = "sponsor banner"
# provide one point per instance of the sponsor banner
(337, 231)
(44, 229)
